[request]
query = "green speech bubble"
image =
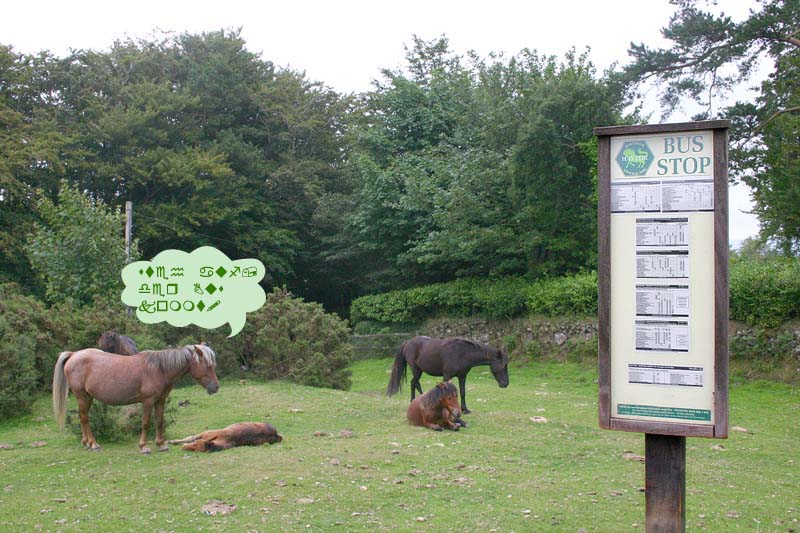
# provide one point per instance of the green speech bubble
(204, 287)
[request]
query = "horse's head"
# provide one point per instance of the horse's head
(499, 366)
(449, 398)
(201, 367)
(108, 341)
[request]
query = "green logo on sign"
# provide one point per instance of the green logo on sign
(634, 158)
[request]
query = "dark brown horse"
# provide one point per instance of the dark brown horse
(436, 409)
(449, 358)
(113, 342)
(145, 378)
(241, 434)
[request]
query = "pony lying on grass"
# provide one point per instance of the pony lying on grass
(437, 408)
(241, 434)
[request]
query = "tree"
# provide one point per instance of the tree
(78, 248)
(31, 150)
(479, 167)
(712, 54)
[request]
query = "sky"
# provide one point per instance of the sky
(346, 43)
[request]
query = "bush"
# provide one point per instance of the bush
(113, 423)
(503, 298)
(492, 299)
(291, 339)
(574, 295)
(30, 345)
(765, 292)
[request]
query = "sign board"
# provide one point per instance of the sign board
(663, 278)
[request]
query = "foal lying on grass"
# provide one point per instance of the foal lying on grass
(437, 408)
(241, 434)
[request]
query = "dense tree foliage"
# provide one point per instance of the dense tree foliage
(478, 167)
(211, 143)
(78, 249)
(448, 168)
(712, 54)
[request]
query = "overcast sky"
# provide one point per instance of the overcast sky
(346, 43)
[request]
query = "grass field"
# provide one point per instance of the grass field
(350, 462)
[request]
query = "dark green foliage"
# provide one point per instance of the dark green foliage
(291, 339)
(479, 168)
(78, 248)
(711, 54)
(29, 348)
(112, 423)
(765, 291)
(502, 298)
(569, 295)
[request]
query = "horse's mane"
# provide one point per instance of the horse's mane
(478, 345)
(433, 397)
(174, 358)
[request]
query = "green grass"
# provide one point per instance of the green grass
(502, 473)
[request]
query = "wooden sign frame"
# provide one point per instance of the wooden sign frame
(719, 427)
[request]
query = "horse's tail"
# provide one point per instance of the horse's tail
(398, 371)
(60, 389)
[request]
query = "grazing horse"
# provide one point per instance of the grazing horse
(241, 434)
(436, 408)
(145, 378)
(451, 357)
(113, 342)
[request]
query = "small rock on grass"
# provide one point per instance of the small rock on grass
(630, 456)
(215, 507)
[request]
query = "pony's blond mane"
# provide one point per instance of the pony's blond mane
(176, 358)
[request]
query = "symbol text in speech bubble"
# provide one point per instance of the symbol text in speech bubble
(204, 287)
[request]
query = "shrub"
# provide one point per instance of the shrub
(291, 339)
(502, 298)
(765, 292)
(113, 423)
(574, 295)
(30, 345)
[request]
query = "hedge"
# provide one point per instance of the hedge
(495, 299)
(764, 292)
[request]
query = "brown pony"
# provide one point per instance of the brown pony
(241, 434)
(145, 378)
(113, 342)
(436, 408)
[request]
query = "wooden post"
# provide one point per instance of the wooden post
(128, 229)
(665, 483)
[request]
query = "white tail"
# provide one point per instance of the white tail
(60, 389)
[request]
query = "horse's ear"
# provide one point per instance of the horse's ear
(197, 350)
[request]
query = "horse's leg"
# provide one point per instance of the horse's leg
(84, 404)
(415, 386)
(186, 440)
(448, 422)
(147, 408)
(160, 441)
(462, 387)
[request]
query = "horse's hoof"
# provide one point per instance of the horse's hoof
(145, 450)
(163, 448)
(94, 447)
(465, 411)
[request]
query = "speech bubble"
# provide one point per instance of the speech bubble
(204, 287)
